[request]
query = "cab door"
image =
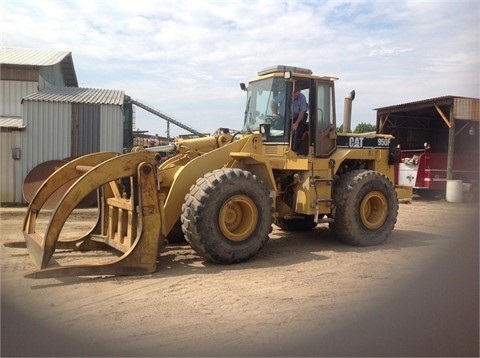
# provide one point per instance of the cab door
(324, 129)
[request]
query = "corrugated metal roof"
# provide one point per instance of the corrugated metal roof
(11, 122)
(77, 95)
(31, 57)
(34, 57)
(425, 102)
(465, 108)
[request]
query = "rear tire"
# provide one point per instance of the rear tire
(227, 216)
(366, 208)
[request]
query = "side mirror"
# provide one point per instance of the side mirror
(243, 87)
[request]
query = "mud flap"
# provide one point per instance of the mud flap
(404, 193)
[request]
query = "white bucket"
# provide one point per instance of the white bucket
(454, 192)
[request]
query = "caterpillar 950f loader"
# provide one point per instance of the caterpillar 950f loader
(226, 190)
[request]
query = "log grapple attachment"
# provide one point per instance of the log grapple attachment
(129, 215)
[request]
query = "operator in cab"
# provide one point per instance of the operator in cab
(299, 121)
(299, 114)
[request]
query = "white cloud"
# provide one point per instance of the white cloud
(186, 58)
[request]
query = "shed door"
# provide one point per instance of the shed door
(85, 129)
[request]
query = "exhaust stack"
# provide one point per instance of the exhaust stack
(347, 112)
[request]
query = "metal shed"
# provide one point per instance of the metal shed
(66, 122)
(446, 125)
(45, 116)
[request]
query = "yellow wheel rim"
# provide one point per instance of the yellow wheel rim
(238, 218)
(373, 210)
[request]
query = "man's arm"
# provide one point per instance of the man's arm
(299, 120)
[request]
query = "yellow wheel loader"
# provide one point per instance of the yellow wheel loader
(226, 190)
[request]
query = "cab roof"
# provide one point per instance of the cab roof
(303, 72)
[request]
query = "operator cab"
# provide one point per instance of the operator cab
(269, 108)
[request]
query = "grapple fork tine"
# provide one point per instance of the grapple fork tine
(64, 174)
(140, 247)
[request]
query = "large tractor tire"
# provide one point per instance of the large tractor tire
(227, 216)
(366, 208)
(305, 223)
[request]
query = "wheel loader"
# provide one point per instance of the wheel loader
(224, 192)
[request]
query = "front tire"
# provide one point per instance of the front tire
(366, 208)
(227, 216)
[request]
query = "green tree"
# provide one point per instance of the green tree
(364, 128)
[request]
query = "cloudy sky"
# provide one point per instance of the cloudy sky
(187, 58)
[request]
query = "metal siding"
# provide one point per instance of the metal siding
(19, 73)
(86, 129)
(6, 168)
(466, 108)
(11, 94)
(53, 75)
(111, 128)
(10, 170)
(47, 133)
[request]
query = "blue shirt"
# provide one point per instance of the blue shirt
(299, 104)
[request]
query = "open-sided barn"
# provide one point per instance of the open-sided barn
(438, 140)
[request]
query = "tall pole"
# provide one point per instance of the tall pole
(451, 145)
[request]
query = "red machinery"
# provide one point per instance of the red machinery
(427, 171)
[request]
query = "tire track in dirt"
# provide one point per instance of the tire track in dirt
(300, 284)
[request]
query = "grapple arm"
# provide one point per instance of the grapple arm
(129, 222)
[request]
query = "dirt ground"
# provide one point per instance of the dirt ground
(305, 294)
